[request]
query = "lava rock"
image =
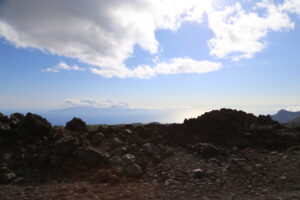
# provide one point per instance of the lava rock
(152, 150)
(120, 151)
(3, 118)
(197, 173)
(56, 161)
(128, 159)
(4, 128)
(115, 160)
(92, 157)
(15, 119)
(8, 177)
(206, 150)
(97, 138)
(76, 124)
(34, 124)
(66, 145)
(133, 170)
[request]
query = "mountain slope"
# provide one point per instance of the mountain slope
(284, 116)
(294, 123)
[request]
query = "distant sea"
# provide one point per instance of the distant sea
(110, 115)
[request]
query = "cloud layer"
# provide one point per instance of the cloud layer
(174, 66)
(103, 33)
(94, 102)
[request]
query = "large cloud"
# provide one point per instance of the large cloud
(98, 32)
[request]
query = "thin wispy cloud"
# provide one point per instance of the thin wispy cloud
(94, 102)
(103, 34)
(63, 67)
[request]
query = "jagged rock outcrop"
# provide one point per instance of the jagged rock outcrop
(32, 151)
(76, 124)
(33, 124)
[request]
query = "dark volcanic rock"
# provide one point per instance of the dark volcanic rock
(34, 124)
(92, 157)
(115, 161)
(133, 170)
(217, 126)
(152, 150)
(17, 116)
(206, 150)
(7, 177)
(229, 128)
(128, 159)
(97, 138)
(76, 124)
(197, 173)
(3, 118)
(15, 119)
(66, 145)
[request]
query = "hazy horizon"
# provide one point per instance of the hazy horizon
(92, 115)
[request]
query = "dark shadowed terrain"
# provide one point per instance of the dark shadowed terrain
(223, 154)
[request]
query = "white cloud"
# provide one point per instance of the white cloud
(63, 66)
(98, 32)
(103, 33)
(94, 102)
(292, 6)
(174, 66)
(239, 34)
(294, 108)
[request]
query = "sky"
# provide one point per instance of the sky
(190, 55)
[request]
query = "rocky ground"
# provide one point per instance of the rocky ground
(224, 154)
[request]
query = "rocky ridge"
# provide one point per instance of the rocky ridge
(223, 154)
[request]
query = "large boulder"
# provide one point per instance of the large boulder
(34, 125)
(92, 157)
(76, 124)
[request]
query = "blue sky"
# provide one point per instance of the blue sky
(192, 56)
